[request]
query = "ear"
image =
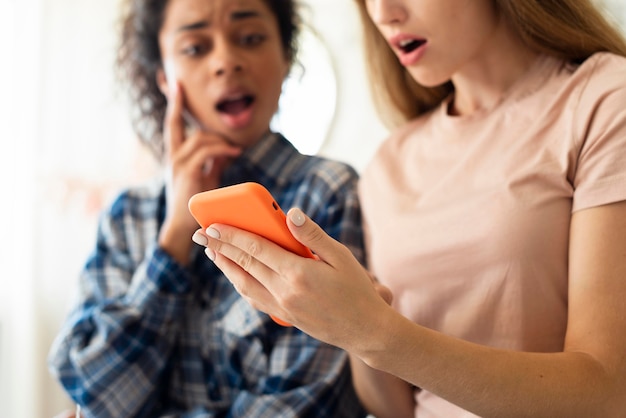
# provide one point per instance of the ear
(161, 80)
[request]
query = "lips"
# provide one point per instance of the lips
(409, 45)
(235, 108)
(235, 104)
(408, 48)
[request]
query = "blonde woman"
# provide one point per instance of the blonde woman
(495, 217)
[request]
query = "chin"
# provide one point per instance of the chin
(428, 79)
(246, 139)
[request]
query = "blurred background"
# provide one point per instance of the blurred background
(67, 147)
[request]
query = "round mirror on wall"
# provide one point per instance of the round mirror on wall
(307, 104)
(616, 10)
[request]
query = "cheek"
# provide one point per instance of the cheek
(273, 79)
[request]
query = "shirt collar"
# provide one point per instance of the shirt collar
(271, 159)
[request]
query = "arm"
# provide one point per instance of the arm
(121, 333)
(382, 394)
(586, 379)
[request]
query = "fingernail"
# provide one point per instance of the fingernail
(297, 217)
(210, 253)
(200, 239)
(213, 233)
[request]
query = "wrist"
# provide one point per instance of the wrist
(384, 335)
(175, 243)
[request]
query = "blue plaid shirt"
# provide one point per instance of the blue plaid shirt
(151, 338)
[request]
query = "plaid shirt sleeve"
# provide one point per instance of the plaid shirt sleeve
(113, 349)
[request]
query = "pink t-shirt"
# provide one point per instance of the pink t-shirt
(467, 218)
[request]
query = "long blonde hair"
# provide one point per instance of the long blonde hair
(569, 29)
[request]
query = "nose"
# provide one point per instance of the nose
(387, 12)
(224, 59)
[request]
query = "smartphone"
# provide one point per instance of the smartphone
(251, 207)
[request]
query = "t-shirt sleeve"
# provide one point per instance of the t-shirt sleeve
(600, 176)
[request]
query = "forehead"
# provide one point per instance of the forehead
(214, 12)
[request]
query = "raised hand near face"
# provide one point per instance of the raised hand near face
(194, 163)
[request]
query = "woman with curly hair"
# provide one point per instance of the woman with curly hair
(158, 330)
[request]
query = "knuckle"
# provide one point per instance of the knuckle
(316, 235)
(253, 249)
(216, 246)
(244, 260)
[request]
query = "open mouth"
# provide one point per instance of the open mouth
(409, 45)
(235, 105)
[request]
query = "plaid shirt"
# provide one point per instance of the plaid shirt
(151, 338)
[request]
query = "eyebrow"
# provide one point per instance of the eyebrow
(235, 16)
(244, 14)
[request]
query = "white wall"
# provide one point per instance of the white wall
(356, 131)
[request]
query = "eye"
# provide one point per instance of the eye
(252, 39)
(193, 50)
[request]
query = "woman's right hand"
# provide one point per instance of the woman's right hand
(332, 298)
(194, 164)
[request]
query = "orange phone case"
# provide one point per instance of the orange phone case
(248, 206)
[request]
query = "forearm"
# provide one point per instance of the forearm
(114, 341)
(383, 395)
(491, 382)
(91, 361)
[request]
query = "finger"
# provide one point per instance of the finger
(254, 254)
(174, 123)
(384, 293)
(212, 143)
(249, 276)
(204, 157)
(246, 285)
(313, 236)
(208, 167)
(200, 238)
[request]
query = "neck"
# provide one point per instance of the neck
(483, 81)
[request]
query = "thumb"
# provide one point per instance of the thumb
(311, 235)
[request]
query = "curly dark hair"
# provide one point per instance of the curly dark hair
(139, 58)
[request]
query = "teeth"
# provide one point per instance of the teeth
(235, 97)
(406, 42)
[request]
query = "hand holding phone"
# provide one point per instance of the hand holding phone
(251, 207)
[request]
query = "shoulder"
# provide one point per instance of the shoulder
(316, 171)
(601, 74)
(330, 171)
(604, 63)
(398, 141)
(143, 201)
(318, 185)
(601, 81)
